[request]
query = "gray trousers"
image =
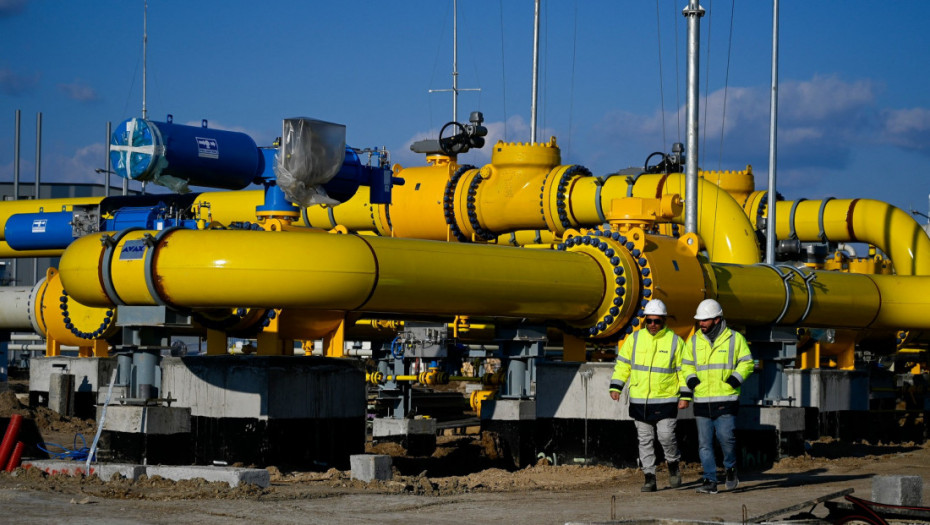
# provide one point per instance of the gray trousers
(647, 433)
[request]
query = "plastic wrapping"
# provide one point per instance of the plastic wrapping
(311, 154)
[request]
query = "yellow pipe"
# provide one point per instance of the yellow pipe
(198, 269)
(9, 253)
(870, 221)
(723, 226)
(756, 295)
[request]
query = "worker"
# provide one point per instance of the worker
(715, 364)
(650, 362)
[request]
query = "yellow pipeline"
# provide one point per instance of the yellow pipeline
(202, 269)
(880, 224)
(723, 226)
(7, 252)
(525, 188)
(874, 222)
(754, 295)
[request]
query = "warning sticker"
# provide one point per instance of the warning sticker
(39, 225)
(207, 148)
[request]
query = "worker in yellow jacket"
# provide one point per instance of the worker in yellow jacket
(715, 364)
(649, 362)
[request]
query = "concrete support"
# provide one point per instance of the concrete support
(61, 394)
(898, 490)
(270, 410)
(91, 375)
(369, 467)
(417, 436)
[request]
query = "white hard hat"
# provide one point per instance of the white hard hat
(708, 309)
(655, 307)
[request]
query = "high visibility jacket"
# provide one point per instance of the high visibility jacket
(713, 364)
(651, 365)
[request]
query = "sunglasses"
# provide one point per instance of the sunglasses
(654, 321)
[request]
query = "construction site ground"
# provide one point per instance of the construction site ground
(462, 481)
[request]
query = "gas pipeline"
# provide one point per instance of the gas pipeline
(525, 245)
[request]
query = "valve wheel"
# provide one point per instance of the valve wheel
(454, 144)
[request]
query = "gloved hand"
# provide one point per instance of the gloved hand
(693, 382)
(732, 381)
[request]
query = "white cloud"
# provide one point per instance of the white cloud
(9, 8)
(79, 91)
(907, 128)
(15, 84)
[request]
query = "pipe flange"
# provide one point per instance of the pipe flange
(472, 208)
(448, 202)
(556, 210)
(71, 322)
(622, 282)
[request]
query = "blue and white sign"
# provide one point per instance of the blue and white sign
(39, 225)
(132, 251)
(207, 148)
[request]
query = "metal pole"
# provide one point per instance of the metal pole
(35, 262)
(535, 75)
(145, 41)
(693, 13)
(106, 174)
(16, 157)
(455, 61)
(13, 267)
(773, 140)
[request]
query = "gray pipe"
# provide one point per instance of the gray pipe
(35, 262)
(693, 13)
(770, 239)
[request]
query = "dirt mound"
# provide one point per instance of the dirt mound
(10, 405)
(46, 420)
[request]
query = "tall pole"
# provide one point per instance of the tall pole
(106, 174)
(455, 66)
(35, 262)
(693, 13)
(535, 75)
(773, 140)
(13, 268)
(145, 42)
(455, 61)
(16, 156)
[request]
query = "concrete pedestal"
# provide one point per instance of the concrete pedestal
(370, 467)
(91, 374)
(146, 435)
(270, 410)
(417, 436)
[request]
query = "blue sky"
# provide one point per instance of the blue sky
(854, 111)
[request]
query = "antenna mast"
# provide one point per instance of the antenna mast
(455, 66)
(145, 41)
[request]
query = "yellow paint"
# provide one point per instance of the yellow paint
(874, 222)
(86, 319)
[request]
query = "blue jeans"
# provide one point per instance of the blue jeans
(724, 426)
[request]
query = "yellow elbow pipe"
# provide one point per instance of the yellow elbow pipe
(874, 222)
(723, 226)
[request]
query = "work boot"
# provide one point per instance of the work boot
(732, 480)
(650, 484)
(707, 487)
(674, 475)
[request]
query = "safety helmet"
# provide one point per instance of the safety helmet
(655, 307)
(708, 309)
